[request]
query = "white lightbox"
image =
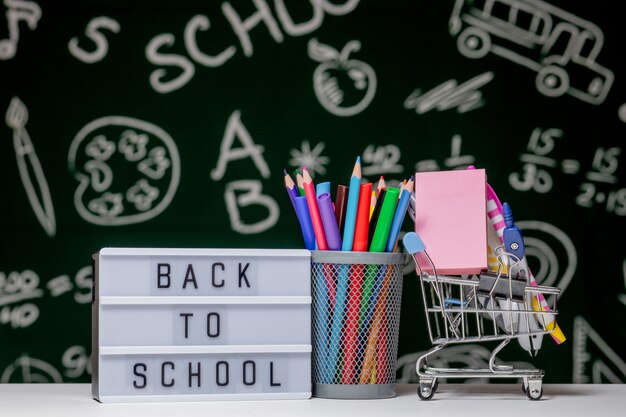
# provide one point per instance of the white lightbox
(201, 324)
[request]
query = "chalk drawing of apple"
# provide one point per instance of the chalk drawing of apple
(343, 86)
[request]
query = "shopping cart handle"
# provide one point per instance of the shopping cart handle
(413, 243)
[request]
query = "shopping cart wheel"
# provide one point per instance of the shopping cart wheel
(534, 390)
(427, 389)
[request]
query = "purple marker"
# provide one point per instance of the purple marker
(329, 220)
(302, 210)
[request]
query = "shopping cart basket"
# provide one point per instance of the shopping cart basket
(489, 307)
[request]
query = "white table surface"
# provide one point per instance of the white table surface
(68, 400)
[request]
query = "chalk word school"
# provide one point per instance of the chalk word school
(173, 324)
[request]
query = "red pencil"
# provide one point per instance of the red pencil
(362, 219)
(316, 218)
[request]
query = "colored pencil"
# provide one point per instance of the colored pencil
(320, 320)
(374, 218)
(375, 351)
(353, 201)
(339, 310)
(349, 372)
(381, 185)
(292, 189)
(341, 203)
(362, 219)
(300, 183)
(314, 211)
(372, 282)
(372, 203)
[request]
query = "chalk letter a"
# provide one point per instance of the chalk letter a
(234, 127)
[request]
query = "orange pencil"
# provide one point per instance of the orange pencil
(316, 218)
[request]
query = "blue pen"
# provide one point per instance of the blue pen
(398, 217)
(353, 202)
(513, 240)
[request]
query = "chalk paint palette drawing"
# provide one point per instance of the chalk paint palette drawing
(128, 170)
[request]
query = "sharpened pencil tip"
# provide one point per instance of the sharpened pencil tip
(285, 172)
(358, 159)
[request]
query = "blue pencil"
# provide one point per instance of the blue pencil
(338, 315)
(353, 202)
(320, 321)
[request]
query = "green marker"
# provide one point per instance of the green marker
(379, 241)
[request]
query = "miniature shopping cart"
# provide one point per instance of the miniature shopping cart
(495, 306)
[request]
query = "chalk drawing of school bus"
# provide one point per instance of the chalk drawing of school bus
(560, 47)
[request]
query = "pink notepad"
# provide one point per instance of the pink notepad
(451, 219)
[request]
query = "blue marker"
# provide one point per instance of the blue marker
(513, 240)
(322, 188)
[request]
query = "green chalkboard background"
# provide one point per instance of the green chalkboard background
(412, 94)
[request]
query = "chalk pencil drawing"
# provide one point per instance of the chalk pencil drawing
(30, 370)
(31, 172)
(94, 33)
(545, 244)
(464, 97)
(559, 46)
(343, 86)
(18, 11)
(461, 356)
(146, 160)
(312, 159)
(594, 360)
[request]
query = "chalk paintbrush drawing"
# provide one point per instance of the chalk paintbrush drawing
(31, 172)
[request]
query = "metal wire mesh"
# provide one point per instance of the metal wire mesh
(356, 317)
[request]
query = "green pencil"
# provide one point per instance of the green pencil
(379, 241)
